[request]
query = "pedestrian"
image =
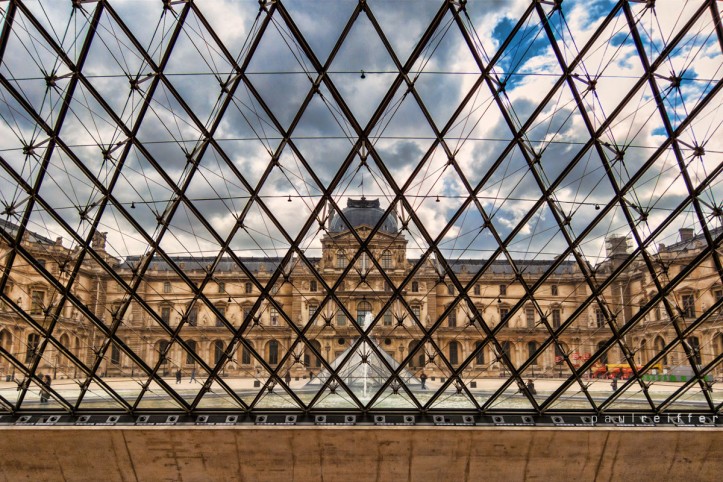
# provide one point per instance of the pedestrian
(423, 379)
(287, 378)
(311, 375)
(193, 375)
(178, 376)
(614, 383)
(531, 387)
(44, 393)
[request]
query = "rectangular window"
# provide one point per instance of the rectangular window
(599, 318)
(364, 262)
(193, 316)
(688, 306)
(37, 302)
(245, 356)
(221, 315)
(248, 288)
(477, 290)
(553, 290)
(415, 287)
(479, 358)
(452, 319)
(166, 314)
(556, 318)
(312, 285)
(387, 318)
(340, 259)
(503, 314)
(450, 289)
(167, 287)
(312, 309)
(221, 287)
(416, 311)
(503, 290)
(531, 348)
(530, 317)
(386, 260)
(340, 318)
(274, 317)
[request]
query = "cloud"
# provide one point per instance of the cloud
(279, 72)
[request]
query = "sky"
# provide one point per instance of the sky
(171, 149)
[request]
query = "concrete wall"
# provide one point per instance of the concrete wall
(358, 453)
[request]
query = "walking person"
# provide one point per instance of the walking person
(193, 375)
(178, 376)
(531, 387)
(423, 379)
(614, 383)
(287, 378)
(44, 393)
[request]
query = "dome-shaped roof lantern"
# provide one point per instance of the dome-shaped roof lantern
(363, 212)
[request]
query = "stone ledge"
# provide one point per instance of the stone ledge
(358, 453)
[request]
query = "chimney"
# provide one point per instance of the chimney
(686, 234)
(616, 246)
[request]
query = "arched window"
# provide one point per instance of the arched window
(272, 352)
(245, 356)
(311, 360)
(454, 353)
(604, 357)
(192, 347)
(218, 347)
(341, 259)
(362, 309)
(5, 339)
(659, 345)
(531, 348)
(694, 345)
(418, 358)
(386, 259)
(162, 356)
(643, 351)
(32, 347)
(479, 358)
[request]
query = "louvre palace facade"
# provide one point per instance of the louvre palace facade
(247, 317)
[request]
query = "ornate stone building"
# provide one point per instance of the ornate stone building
(243, 316)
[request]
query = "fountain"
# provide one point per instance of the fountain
(364, 369)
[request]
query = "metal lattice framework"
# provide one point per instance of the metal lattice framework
(191, 157)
